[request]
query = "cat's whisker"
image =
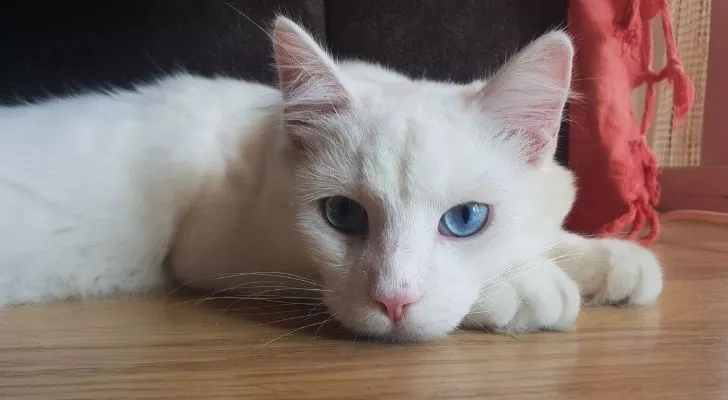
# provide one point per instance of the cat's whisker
(323, 303)
(270, 300)
(310, 307)
(248, 290)
(245, 285)
(511, 277)
(496, 279)
(523, 301)
(260, 294)
(519, 273)
(566, 259)
(266, 306)
(489, 283)
(568, 255)
(256, 297)
(315, 335)
(480, 324)
(283, 303)
(292, 331)
(292, 318)
(268, 274)
(285, 275)
(275, 288)
(255, 314)
(481, 311)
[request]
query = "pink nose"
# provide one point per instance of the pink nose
(395, 307)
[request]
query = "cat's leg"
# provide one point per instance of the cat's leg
(533, 296)
(546, 294)
(610, 271)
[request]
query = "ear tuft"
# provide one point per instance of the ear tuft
(307, 76)
(529, 93)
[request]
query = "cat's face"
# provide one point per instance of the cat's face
(414, 196)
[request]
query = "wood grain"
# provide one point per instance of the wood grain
(175, 349)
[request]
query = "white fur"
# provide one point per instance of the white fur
(226, 177)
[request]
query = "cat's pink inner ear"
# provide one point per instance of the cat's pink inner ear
(529, 93)
(307, 75)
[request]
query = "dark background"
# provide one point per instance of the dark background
(70, 46)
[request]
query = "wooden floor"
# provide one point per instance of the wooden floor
(183, 350)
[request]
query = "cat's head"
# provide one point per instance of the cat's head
(415, 194)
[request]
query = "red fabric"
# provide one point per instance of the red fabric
(615, 169)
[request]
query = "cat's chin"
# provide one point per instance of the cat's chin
(399, 333)
(375, 326)
(408, 335)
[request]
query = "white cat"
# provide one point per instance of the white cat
(418, 205)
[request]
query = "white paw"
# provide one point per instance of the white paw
(633, 276)
(542, 297)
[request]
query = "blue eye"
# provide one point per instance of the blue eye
(346, 215)
(464, 220)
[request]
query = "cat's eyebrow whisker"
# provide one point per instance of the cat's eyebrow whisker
(299, 65)
(237, 10)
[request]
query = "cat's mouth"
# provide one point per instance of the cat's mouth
(368, 320)
(402, 332)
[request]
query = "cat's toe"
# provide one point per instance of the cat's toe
(543, 298)
(549, 301)
(634, 277)
(496, 307)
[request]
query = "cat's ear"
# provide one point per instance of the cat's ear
(307, 76)
(527, 96)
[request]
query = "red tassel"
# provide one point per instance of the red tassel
(614, 150)
(683, 95)
(683, 89)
